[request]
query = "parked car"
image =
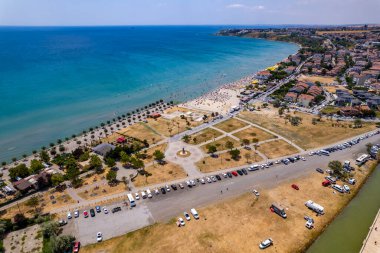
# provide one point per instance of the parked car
(167, 188)
(208, 180)
(181, 222)
(116, 209)
(99, 237)
(92, 212)
(137, 196)
(346, 188)
(76, 213)
(189, 184)
(256, 192)
(174, 187)
(351, 181)
(194, 213)
(163, 191)
(294, 186)
(225, 175)
(213, 178)
(218, 177)
(62, 223)
(181, 186)
(202, 181)
(98, 210)
(244, 171)
(266, 243)
(326, 183)
(69, 215)
(234, 173)
(105, 210)
(240, 172)
(76, 247)
(156, 191)
(187, 216)
(229, 174)
(319, 170)
(309, 224)
(85, 214)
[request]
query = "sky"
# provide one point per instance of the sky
(186, 12)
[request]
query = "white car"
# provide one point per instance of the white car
(303, 158)
(256, 192)
(181, 186)
(181, 222)
(76, 214)
(309, 224)
(187, 216)
(192, 182)
(346, 188)
(266, 243)
(208, 180)
(137, 196)
(156, 191)
(69, 215)
(351, 181)
(225, 175)
(213, 178)
(188, 183)
(202, 181)
(167, 188)
(99, 237)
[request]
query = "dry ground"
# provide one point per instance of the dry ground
(224, 161)
(220, 144)
(101, 190)
(277, 148)
(143, 132)
(176, 125)
(313, 79)
(332, 89)
(342, 32)
(254, 132)
(306, 135)
(239, 224)
(230, 125)
(204, 135)
(26, 240)
(149, 152)
(160, 174)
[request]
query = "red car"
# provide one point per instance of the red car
(85, 214)
(76, 247)
(295, 187)
(234, 173)
(326, 183)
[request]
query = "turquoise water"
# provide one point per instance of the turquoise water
(55, 82)
(348, 231)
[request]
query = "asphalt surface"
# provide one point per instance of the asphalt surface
(164, 207)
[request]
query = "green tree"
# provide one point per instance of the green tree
(357, 123)
(137, 163)
(211, 149)
(246, 142)
(44, 156)
(72, 170)
(50, 229)
(57, 179)
(235, 153)
(247, 156)
(110, 162)
(20, 221)
(336, 167)
(19, 171)
(62, 243)
(111, 176)
(33, 202)
(229, 145)
(186, 138)
(158, 155)
(96, 163)
(35, 166)
(124, 158)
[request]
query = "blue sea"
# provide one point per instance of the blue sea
(57, 81)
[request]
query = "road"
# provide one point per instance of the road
(162, 208)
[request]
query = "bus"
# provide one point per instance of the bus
(362, 159)
(131, 200)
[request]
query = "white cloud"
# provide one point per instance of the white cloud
(247, 7)
(235, 6)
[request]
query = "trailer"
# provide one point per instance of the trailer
(314, 207)
(278, 209)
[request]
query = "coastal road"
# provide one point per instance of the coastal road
(162, 208)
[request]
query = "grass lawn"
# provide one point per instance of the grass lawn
(313, 79)
(143, 132)
(277, 148)
(102, 190)
(162, 147)
(231, 125)
(307, 135)
(160, 174)
(204, 135)
(220, 144)
(223, 223)
(330, 110)
(224, 161)
(168, 127)
(254, 132)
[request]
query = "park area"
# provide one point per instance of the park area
(220, 144)
(204, 135)
(219, 230)
(277, 148)
(307, 135)
(313, 79)
(254, 133)
(231, 125)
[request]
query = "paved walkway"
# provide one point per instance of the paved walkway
(372, 243)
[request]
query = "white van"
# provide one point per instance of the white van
(338, 188)
(149, 193)
(194, 213)
(143, 195)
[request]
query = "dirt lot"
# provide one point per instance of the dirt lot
(220, 144)
(277, 148)
(313, 79)
(205, 135)
(104, 189)
(143, 132)
(307, 135)
(170, 127)
(231, 125)
(229, 226)
(254, 132)
(332, 89)
(224, 161)
(160, 174)
(26, 240)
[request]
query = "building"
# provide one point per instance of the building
(305, 100)
(103, 149)
(291, 97)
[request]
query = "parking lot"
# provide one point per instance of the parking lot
(111, 224)
(163, 207)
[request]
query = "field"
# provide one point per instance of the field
(307, 135)
(229, 226)
(220, 144)
(150, 151)
(224, 161)
(313, 79)
(330, 110)
(332, 89)
(277, 148)
(102, 190)
(342, 32)
(159, 174)
(254, 132)
(143, 132)
(27, 240)
(170, 127)
(231, 125)
(204, 135)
